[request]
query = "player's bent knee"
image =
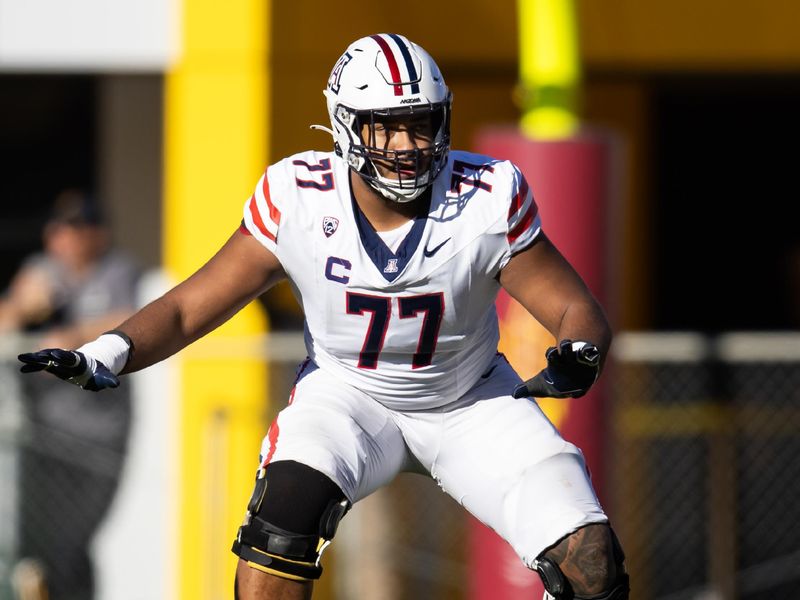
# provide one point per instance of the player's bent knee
(291, 518)
(559, 587)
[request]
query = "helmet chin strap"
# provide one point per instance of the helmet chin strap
(400, 195)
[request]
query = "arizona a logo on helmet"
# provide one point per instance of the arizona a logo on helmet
(335, 80)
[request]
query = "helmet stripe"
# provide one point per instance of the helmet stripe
(393, 68)
(412, 72)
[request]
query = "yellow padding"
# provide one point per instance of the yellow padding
(296, 562)
(269, 571)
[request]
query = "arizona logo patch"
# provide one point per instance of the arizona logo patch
(329, 225)
(391, 266)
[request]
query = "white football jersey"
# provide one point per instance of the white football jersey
(414, 328)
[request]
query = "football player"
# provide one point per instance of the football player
(396, 247)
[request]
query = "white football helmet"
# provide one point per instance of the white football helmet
(387, 76)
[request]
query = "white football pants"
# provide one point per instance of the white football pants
(498, 456)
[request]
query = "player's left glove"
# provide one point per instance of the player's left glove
(571, 370)
(70, 365)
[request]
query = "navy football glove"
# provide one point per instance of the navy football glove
(72, 366)
(571, 370)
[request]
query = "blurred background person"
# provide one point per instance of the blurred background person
(73, 444)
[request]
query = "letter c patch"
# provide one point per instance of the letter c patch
(336, 269)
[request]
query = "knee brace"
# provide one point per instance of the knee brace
(557, 586)
(274, 540)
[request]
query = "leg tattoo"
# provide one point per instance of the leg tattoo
(586, 558)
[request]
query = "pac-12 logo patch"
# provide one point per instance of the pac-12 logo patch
(329, 225)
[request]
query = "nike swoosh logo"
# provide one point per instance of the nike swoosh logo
(429, 253)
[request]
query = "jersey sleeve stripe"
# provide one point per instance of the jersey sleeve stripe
(523, 224)
(258, 222)
(274, 213)
(519, 199)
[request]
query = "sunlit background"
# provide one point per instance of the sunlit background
(673, 195)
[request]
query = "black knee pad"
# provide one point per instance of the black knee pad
(559, 588)
(291, 518)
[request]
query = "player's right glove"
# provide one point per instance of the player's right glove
(571, 370)
(70, 365)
